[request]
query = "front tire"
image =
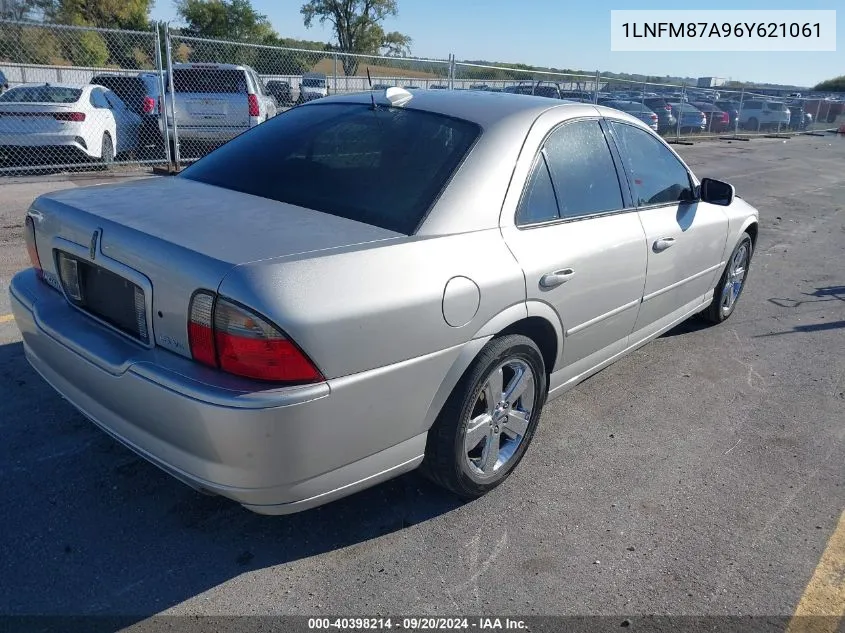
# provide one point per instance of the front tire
(488, 421)
(730, 286)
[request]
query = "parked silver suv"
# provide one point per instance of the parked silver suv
(216, 102)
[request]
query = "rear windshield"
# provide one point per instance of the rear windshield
(41, 94)
(313, 82)
(209, 80)
(131, 90)
(546, 91)
(385, 167)
(773, 105)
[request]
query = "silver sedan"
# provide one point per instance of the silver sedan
(371, 283)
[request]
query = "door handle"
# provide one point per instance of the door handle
(663, 243)
(556, 278)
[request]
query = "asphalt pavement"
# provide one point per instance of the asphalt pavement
(702, 474)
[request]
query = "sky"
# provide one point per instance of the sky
(568, 34)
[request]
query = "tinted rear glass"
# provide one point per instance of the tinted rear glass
(547, 91)
(41, 94)
(313, 82)
(131, 90)
(209, 80)
(384, 167)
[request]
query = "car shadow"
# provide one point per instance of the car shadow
(693, 324)
(811, 327)
(820, 295)
(90, 528)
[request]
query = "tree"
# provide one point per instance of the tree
(837, 84)
(357, 27)
(236, 21)
(23, 9)
(229, 19)
(107, 14)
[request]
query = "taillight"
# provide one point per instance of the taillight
(667, 107)
(653, 117)
(726, 117)
(253, 105)
(235, 339)
(31, 249)
(76, 117)
(149, 105)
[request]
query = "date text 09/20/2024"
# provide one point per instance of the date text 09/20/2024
(415, 624)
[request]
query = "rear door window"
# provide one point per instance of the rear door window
(582, 170)
(538, 202)
(384, 167)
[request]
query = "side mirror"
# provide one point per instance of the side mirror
(716, 192)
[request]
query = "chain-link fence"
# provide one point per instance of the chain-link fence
(80, 97)
(221, 88)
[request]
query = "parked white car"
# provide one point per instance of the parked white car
(68, 121)
(313, 86)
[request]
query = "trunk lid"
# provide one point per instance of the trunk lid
(23, 118)
(173, 236)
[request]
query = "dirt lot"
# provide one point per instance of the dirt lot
(701, 475)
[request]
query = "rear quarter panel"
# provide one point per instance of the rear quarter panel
(363, 308)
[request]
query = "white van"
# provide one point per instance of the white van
(313, 86)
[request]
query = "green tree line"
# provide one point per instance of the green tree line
(837, 84)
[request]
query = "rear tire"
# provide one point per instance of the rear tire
(732, 283)
(753, 124)
(488, 421)
(107, 154)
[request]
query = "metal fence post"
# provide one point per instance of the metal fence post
(169, 57)
(826, 115)
(680, 113)
(596, 88)
(739, 112)
(335, 72)
(162, 108)
(450, 79)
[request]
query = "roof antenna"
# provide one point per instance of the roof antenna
(370, 82)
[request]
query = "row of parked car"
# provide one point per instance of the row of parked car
(115, 115)
(672, 111)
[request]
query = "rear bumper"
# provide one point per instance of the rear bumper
(207, 133)
(32, 147)
(274, 451)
